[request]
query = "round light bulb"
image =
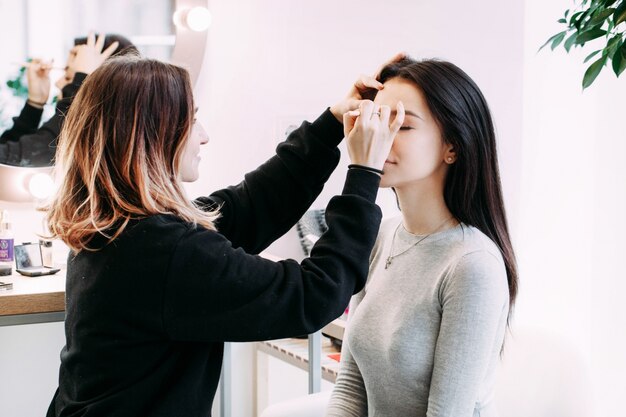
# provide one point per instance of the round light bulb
(178, 18)
(41, 185)
(198, 19)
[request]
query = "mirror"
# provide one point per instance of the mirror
(46, 29)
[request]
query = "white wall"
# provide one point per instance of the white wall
(570, 242)
(278, 59)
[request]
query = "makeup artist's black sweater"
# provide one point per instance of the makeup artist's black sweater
(26, 144)
(147, 315)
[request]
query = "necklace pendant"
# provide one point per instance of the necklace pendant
(388, 262)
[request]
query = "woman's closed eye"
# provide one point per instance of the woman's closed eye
(407, 128)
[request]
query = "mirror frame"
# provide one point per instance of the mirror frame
(188, 52)
(190, 46)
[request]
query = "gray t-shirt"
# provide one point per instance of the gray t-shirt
(424, 335)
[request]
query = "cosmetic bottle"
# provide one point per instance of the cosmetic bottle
(6, 244)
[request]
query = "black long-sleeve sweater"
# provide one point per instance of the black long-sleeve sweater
(24, 144)
(147, 315)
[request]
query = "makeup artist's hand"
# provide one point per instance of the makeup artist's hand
(369, 133)
(38, 80)
(364, 88)
(90, 56)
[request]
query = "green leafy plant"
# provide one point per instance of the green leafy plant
(595, 19)
(17, 85)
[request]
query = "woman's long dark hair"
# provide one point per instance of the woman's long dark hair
(472, 190)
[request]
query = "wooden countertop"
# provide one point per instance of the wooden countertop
(30, 295)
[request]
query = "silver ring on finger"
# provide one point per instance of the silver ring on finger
(377, 113)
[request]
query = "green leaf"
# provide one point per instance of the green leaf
(611, 26)
(591, 55)
(552, 38)
(613, 45)
(581, 19)
(566, 13)
(620, 13)
(601, 17)
(593, 71)
(615, 40)
(590, 35)
(609, 3)
(557, 40)
(609, 53)
(570, 41)
(573, 17)
(619, 64)
(561, 20)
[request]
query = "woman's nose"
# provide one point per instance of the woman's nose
(204, 137)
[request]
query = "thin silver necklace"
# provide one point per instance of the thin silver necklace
(391, 257)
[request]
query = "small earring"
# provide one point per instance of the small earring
(450, 159)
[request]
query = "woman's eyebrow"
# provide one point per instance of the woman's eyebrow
(409, 112)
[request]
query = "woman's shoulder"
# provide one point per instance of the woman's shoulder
(472, 242)
(476, 263)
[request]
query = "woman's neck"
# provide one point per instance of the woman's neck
(424, 210)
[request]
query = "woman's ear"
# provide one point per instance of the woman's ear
(449, 155)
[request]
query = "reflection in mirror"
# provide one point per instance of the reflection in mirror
(46, 29)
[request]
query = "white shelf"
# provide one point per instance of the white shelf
(296, 353)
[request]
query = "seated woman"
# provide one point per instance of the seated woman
(27, 144)
(425, 334)
(157, 283)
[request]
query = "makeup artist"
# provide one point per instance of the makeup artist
(157, 283)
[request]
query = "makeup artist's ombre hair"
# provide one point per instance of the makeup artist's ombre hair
(119, 152)
(472, 190)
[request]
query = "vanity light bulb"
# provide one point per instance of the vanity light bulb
(178, 18)
(198, 19)
(41, 185)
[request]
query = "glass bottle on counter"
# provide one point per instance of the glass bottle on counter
(6, 244)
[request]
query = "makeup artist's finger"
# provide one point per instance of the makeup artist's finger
(366, 109)
(100, 42)
(349, 119)
(399, 119)
(366, 82)
(91, 39)
(396, 58)
(110, 50)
